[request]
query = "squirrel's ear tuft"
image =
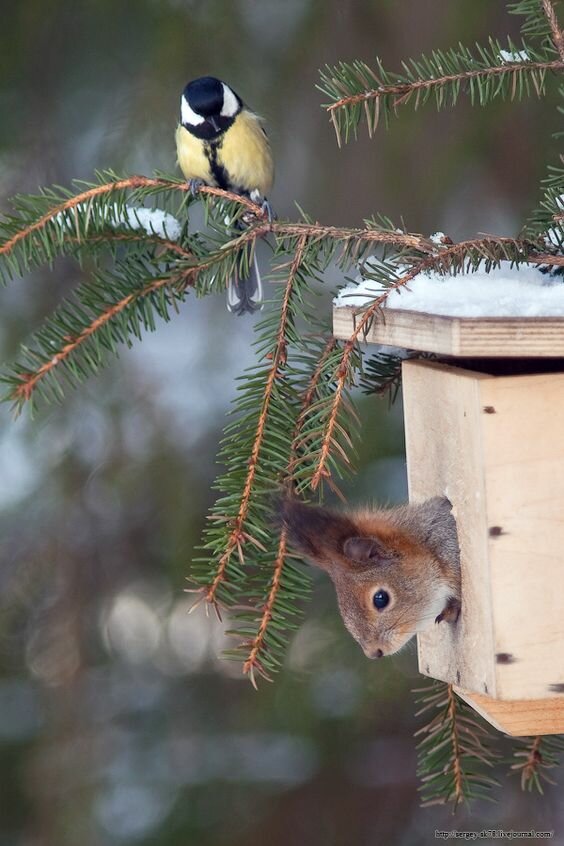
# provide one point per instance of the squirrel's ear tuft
(316, 532)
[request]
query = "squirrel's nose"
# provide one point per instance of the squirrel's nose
(378, 654)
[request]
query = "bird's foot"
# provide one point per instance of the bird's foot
(267, 210)
(265, 206)
(195, 185)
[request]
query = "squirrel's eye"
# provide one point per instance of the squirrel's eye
(380, 599)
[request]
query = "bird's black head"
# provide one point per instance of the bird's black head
(205, 95)
(208, 106)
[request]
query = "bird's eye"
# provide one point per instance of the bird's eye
(380, 599)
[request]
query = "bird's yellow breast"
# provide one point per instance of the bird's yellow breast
(192, 158)
(246, 156)
(242, 151)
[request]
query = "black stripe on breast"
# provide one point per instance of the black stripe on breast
(219, 172)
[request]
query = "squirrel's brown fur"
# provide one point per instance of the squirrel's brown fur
(410, 552)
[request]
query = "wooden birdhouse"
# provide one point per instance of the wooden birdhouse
(488, 432)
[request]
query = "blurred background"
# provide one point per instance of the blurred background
(119, 724)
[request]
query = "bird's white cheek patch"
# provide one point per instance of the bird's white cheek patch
(188, 115)
(230, 102)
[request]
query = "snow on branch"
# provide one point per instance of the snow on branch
(514, 56)
(153, 221)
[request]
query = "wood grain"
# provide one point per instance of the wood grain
(519, 718)
(523, 448)
(493, 337)
(443, 414)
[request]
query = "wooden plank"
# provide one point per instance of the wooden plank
(523, 450)
(494, 337)
(443, 414)
(519, 718)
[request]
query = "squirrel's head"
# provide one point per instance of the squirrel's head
(389, 582)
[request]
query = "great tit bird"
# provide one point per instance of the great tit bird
(221, 143)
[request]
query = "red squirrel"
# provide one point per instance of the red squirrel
(396, 571)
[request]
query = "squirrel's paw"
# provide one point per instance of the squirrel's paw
(451, 611)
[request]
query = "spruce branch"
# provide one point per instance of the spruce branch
(533, 756)
(541, 20)
(130, 183)
(329, 441)
(535, 24)
(253, 663)
(238, 536)
(328, 348)
(311, 436)
(556, 32)
(310, 395)
(79, 223)
(263, 572)
(59, 221)
(350, 240)
(550, 211)
(27, 382)
(60, 208)
(357, 91)
(455, 750)
(80, 229)
(382, 375)
(193, 257)
(142, 238)
(258, 644)
(104, 313)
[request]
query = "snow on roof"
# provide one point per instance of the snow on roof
(505, 291)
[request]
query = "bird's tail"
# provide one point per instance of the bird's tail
(244, 293)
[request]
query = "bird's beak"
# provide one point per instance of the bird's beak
(214, 123)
